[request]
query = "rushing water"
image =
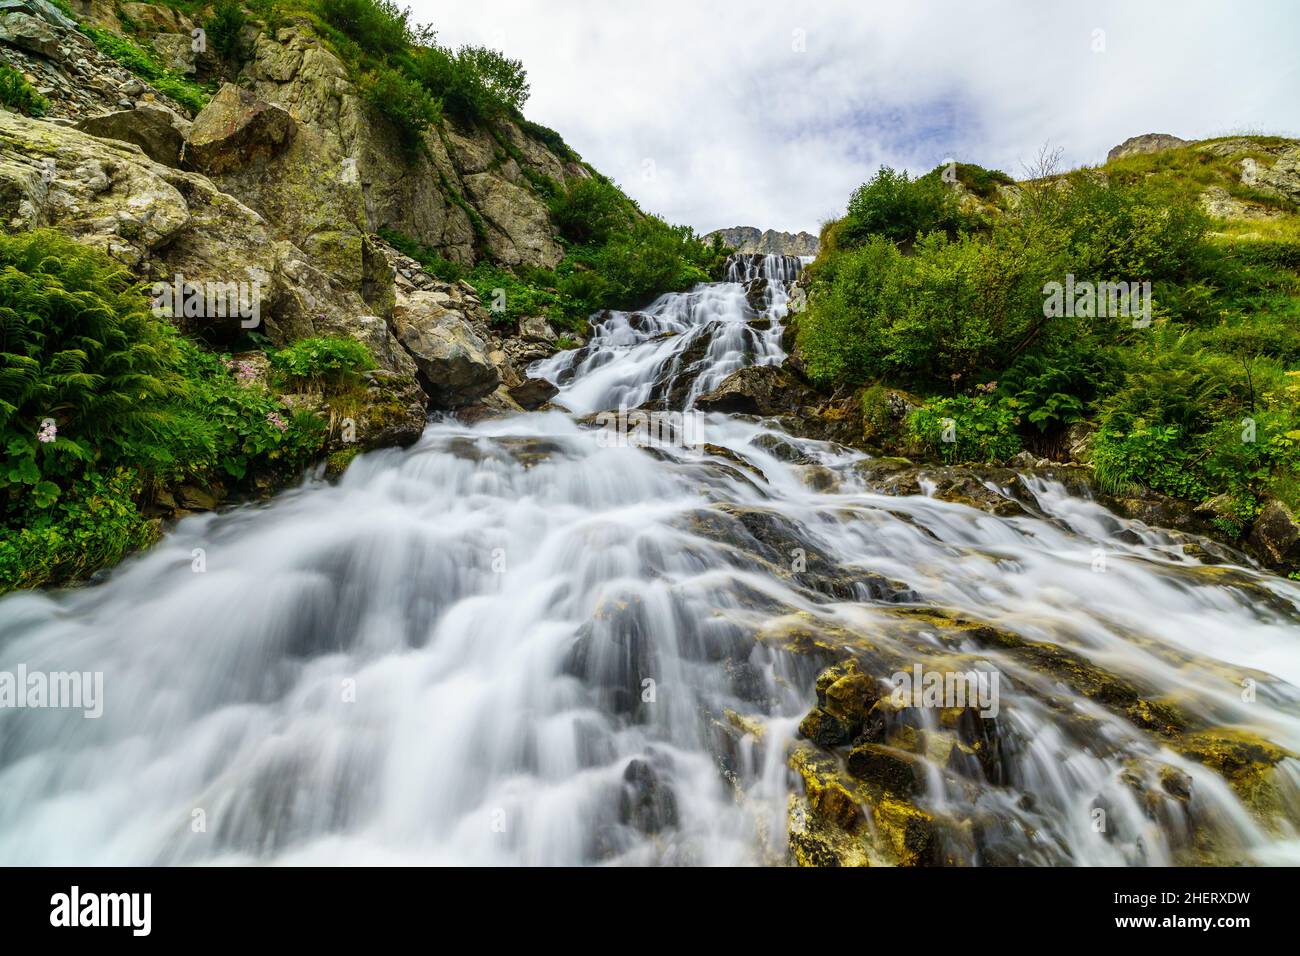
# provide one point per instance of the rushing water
(519, 642)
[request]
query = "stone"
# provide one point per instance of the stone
(148, 127)
(533, 393)
(755, 390)
(1275, 536)
(29, 33)
(750, 239)
(451, 358)
(234, 130)
(534, 328)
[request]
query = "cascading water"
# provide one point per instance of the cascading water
(521, 643)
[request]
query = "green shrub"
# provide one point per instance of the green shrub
(378, 27)
(225, 29)
(899, 208)
(950, 308)
(78, 348)
(965, 429)
(93, 525)
(1152, 456)
(475, 84)
(18, 95)
(326, 362)
(99, 398)
(403, 102)
(589, 211)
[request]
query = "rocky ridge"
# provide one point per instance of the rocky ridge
(768, 242)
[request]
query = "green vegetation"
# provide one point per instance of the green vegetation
(145, 65)
(324, 364)
(18, 95)
(922, 288)
(101, 402)
(224, 30)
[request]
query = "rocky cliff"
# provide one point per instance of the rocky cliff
(768, 242)
(281, 181)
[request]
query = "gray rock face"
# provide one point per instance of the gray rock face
(1146, 143)
(768, 242)
(150, 128)
(452, 359)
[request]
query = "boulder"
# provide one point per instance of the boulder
(534, 328)
(234, 130)
(454, 369)
(533, 393)
(756, 390)
(28, 33)
(149, 127)
(1146, 143)
(43, 9)
(1275, 536)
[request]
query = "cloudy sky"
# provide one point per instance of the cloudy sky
(769, 113)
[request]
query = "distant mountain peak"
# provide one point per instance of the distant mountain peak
(753, 239)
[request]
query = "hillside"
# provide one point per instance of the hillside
(1140, 319)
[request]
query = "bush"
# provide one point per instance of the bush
(401, 101)
(99, 398)
(899, 208)
(964, 429)
(589, 211)
(378, 27)
(83, 361)
(323, 363)
(475, 84)
(225, 29)
(18, 95)
(943, 313)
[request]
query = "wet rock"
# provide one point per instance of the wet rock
(756, 390)
(647, 804)
(894, 771)
(534, 393)
(196, 499)
(234, 130)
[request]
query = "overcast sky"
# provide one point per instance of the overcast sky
(768, 113)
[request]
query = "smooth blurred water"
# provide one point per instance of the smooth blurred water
(443, 657)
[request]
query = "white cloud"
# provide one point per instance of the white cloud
(769, 113)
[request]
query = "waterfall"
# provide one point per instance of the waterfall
(518, 642)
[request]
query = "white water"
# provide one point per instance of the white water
(441, 658)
